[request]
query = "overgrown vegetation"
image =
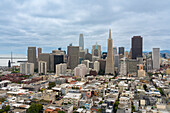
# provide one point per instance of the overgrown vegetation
(5, 109)
(35, 108)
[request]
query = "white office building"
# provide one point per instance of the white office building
(27, 68)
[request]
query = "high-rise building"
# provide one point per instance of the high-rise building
(31, 53)
(73, 56)
(54, 60)
(156, 58)
(114, 50)
(81, 41)
(42, 67)
(132, 67)
(46, 58)
(110, 58)
(82, 55)
(123, 66)
(137, 45)
(149, 64)
(27, 68)
(80, 70)
(86, 62)
(121, 50)
(61, 68)
(102, 65)
(96, 50)
(116, 60)
(39, 51)
(88, 56)
(96, 66)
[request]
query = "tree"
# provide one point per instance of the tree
(74, 108)
(51, 84)
(2, 99)
(100, 102)
(83, 107)
(161, 91)
(133, 108)
(99, 110)
(116, 106)
(61, 112)
(1, 110)
(35, 108)
(7, 108)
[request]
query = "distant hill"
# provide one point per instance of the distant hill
(162, 51)
(165, 51)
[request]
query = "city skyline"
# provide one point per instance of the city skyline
(50, 24)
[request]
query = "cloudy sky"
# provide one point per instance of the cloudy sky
(57, 23)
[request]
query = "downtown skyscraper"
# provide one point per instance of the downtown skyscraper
(81, 41)
(31, 54)
(137, 45)
(110, 59)
(156, 58)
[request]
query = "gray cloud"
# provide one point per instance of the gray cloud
(56, 23)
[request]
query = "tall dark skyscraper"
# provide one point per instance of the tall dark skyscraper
(137, 45)
(31, 54)
(121, 50)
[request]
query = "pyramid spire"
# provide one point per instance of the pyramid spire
(109, 33)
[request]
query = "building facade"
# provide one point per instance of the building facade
(42, 67)
(27, 68)
(156, 58)
(31, 55)
(81, 42)
(110, 59)
(137, 45)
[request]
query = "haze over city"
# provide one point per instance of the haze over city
(56, 23)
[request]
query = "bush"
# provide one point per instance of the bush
(7, 108)
(2, 99)
(51, 84)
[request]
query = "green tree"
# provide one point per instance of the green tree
(7, 108)
(2, 99)
(74, 108)
(133, 108)
(83, 107)
(116, 106)
(1, 110)
(61, 112)
(51, 84)
(99, 110)
(35, 108)
(100, 102)
(161, 91)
